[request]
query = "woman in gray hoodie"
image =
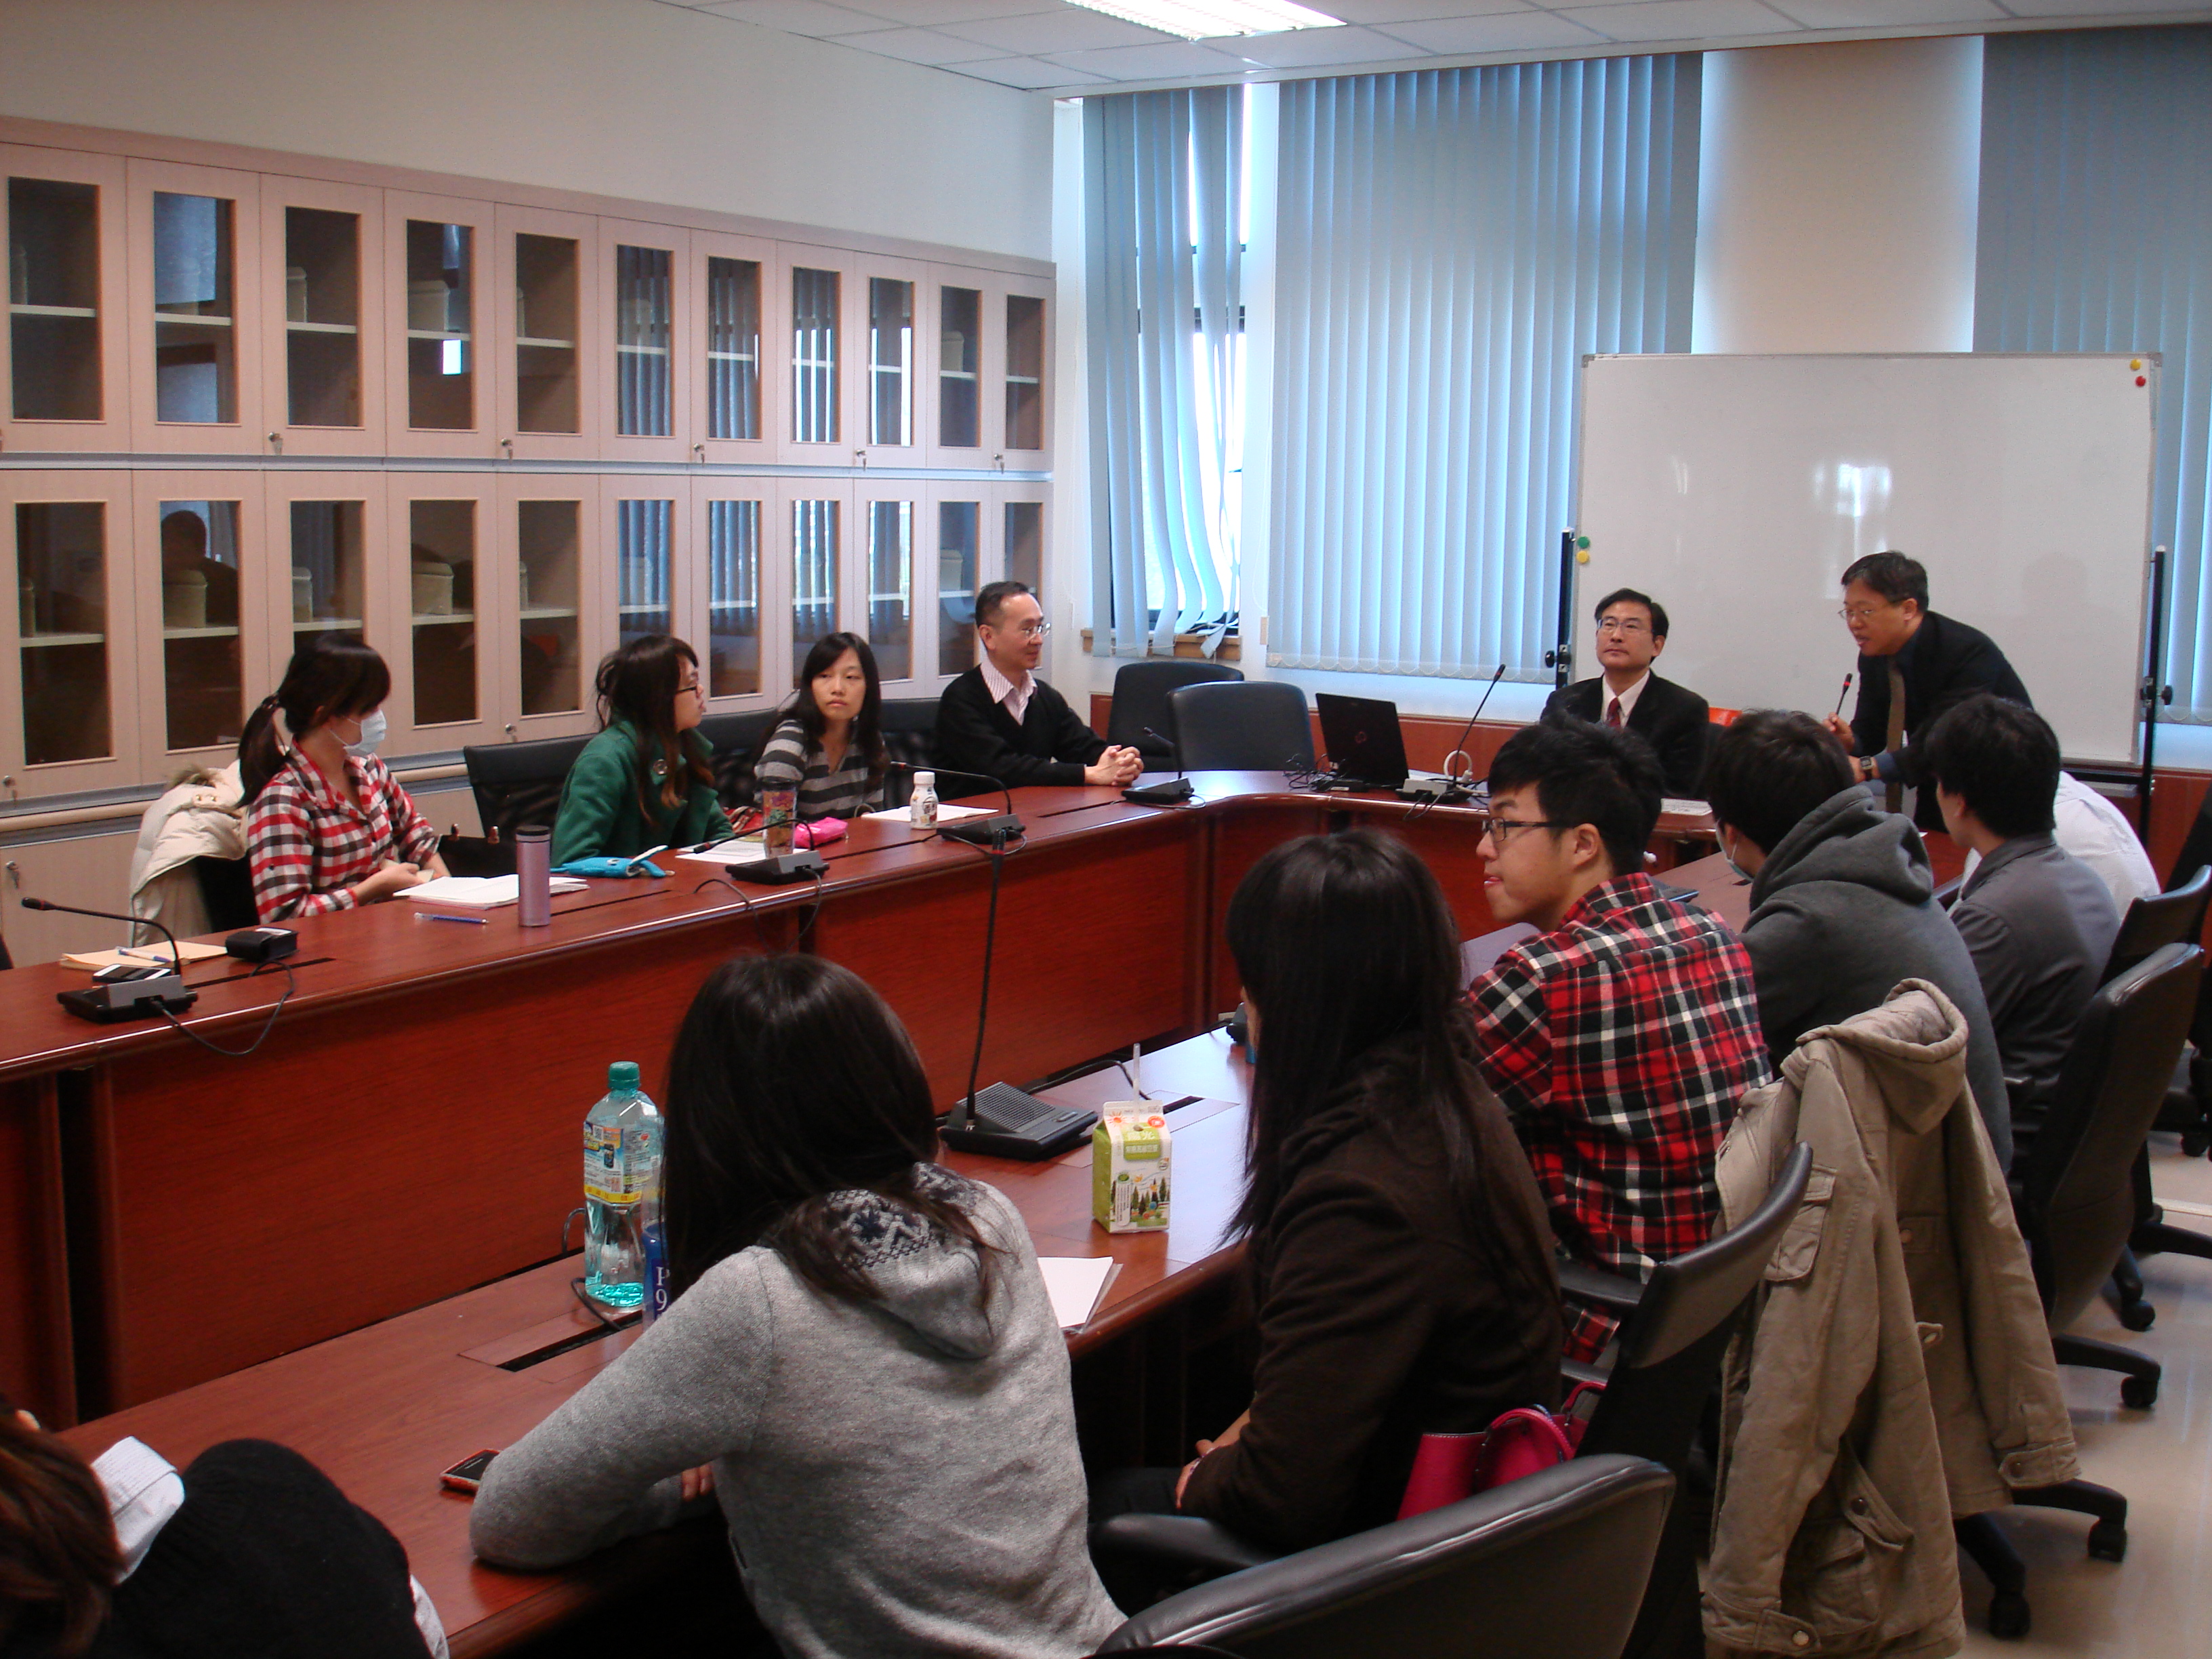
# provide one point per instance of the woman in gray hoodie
(860, 1350)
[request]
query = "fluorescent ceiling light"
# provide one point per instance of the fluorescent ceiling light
(1199, 20)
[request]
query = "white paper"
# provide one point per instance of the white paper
(1075, 1283)
(1688, 808)
(947, 812)
(483, 892)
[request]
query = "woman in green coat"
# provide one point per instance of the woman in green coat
(648, 779)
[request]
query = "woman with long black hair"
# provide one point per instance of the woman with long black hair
(828, 745)
(860, 1359)
(327, 827)
(648, 779)
(1400, 1261)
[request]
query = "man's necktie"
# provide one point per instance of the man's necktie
(1613, 714)
(1894, 796)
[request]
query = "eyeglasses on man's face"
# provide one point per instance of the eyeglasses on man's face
(1502, 830)
(1858, 613)
(1032, 630)
(1623, 625)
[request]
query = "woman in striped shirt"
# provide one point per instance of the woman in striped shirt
(829, 746)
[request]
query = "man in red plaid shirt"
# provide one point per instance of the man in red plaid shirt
(1624, 1036)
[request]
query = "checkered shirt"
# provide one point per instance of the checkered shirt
(1622, 1042)
(309, 844)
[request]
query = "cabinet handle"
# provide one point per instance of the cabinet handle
(699, 454)
(14, 875)
(276, 443)
(8, 783)
(509, 729)
(998, 462)
(508, 444)
(861, 456)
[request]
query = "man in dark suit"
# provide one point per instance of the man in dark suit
(1913, 666)
(999, 720)
(1631, 632)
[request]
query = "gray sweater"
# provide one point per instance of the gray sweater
(1842, 910)
(899, 1477)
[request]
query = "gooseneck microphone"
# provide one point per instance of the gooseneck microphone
(125, 991)
(1459, 752)
(995, 831)
(1165, 794)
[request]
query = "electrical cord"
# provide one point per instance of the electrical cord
(291, 984)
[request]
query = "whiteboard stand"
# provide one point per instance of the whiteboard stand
(1561, 659)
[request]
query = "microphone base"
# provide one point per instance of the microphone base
(111, 1004)
(995, 831)
(1443, 790)
(802, 865)
(1172, 793)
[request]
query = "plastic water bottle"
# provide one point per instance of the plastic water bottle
(921, 806)
(622, 1188)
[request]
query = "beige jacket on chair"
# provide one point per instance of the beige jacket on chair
(1896, 1369)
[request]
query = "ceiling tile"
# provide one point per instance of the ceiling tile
(1878, 14)
(814, 17)
(1401, 11)
(1165, 61)
(1522, 31)
(1033, 74)
(918, 46)
(1070, 28)
(2097, 8)
(1682, 19)
(928, 14)
(1303, 48)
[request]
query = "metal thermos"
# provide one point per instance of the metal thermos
(534, 874)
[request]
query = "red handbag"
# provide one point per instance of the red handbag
(1450, 1466)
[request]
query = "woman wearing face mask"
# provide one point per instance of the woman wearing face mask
(830, 746)
(648, 779)
(326, 827)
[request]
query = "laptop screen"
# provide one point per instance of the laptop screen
(1363, 739)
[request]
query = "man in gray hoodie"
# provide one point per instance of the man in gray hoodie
(1842, 897)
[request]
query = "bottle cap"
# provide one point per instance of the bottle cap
(925, 780)
(622, 1074)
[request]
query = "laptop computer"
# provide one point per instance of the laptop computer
(1366, 749)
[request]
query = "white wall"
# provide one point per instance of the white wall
(1837, 197)
(625, 97)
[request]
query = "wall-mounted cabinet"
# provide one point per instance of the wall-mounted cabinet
(322, 250)
(206, 651)
(438, 371)
(653, 323)
(454, 616)
(329, 547)
(64, 368)
(992, 350)
(547, 527)
(734, 521)
(548, 307)
(737, 408)
(196, 317)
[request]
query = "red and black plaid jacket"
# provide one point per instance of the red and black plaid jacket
(308, 845)
(1622, 1042)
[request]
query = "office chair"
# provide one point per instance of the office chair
(6, 961)
(1549, 1567)
(226, 891)
(737, 740)
(1241, 725)
(2189, 1103)
(2074, 1196)
(910, 739)
(1140, 699)
(517, 783)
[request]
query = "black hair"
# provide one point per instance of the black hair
(1891, 574)
(790, 1081)
(1585, 773)
(637, 683)
(59, 1556)
(990, 599)
(1344, 943)
(1770, 769)
(1658, 610)
(332, 676)
(2001, 757)
(867, 724)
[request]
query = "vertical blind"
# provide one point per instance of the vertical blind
(1448, 244)
(1164, 175)
(2096, 236)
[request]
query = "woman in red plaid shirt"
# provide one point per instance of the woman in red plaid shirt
(327, 827)
(1624, 1036)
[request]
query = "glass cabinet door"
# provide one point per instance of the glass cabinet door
(647, 571)
(1022, 524)
(329, 545)
(737, 298)
(556, 332)
(654, 339)
(198, 321)
(960, 369)
(548, 373)
(1025, 360)
(887, 566)
(890, 363)
(322, 260)
(195, 308)
(959, 561)
(201, 578)
(817, 529)
(819, 430)
(327, 553)
(437, 311)
(65, 544)
(442, 549)
(547, 526)
(734, 525)
(63, 360)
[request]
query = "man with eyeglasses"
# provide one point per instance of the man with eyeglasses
(1622, 1038)
(1631, 632)
(999, 720)
(1913, 665)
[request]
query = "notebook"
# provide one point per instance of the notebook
(482, 893)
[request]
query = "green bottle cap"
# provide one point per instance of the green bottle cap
(623, 1075)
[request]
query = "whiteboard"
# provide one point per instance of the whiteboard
(1735, 490)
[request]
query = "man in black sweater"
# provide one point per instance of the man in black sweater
(999, 720)
(1631, 632)
(1913, 666)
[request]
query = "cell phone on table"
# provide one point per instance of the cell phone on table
(467, 1474)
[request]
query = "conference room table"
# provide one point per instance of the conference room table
(407, 1128)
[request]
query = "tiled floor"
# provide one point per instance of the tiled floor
(2157, 1604)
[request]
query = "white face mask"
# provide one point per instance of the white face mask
(373, 728)
(1727, 852)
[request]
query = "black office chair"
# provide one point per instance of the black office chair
(2189, 1102)
(910, 739)
(6, 961)
(2075, 1195)
(226, 891)
(517, 783)
(1142, 690)
(1247, 725)
(737, 740)
(1549, 1567)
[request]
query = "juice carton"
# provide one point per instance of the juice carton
(1129, 1155)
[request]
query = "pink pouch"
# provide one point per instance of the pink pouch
(820, 833)
(1450, 1466)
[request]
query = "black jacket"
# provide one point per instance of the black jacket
(1381, 1315)
(1673, 719)
(1945, 662)
(975, 734)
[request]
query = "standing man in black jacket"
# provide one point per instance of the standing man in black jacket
(1913, 666)
(1631, 632)
(999, 720)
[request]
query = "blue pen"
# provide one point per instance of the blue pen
(440, 915)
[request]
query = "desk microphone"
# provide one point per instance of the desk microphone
(994, 831)
(134, 991)
(1176, 789)
(1454, 786)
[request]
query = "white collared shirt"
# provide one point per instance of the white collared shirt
(1015, 697)
(2093, 831)
(1606, 698)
